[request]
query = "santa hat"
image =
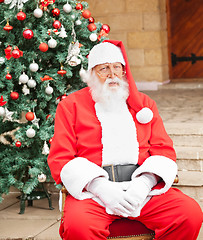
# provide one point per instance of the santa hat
(111, 51)
(104, 53)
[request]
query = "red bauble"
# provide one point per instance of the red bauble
(50, 140)
(29, 116)
(43, 47)
(16, 53)
(55, 12)
(106, 28)
(8, 27)
(1, 1)
(14, 95)
(91, 27)
(28, 34)
(57, 24)
(79, 6)
(8, 76)
(21, 16)
(48, 116)
(91, 20)
(18, 144)
(86, 13)
(62, 72)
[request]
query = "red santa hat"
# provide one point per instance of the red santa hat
(111, 51)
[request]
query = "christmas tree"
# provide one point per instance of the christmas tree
(43, 46)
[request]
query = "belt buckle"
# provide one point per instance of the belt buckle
(112, 171)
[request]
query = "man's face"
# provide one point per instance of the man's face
(109, 70)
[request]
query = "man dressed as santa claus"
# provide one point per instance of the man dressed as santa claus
(113, 155)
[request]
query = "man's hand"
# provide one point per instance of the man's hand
(116, 200)
(140, 187)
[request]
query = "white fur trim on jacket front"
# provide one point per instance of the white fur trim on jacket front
(77, 173)
(161, 166)
(119, 135)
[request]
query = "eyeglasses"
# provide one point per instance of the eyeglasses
(105, 69)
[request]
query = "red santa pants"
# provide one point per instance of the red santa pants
(172, 215)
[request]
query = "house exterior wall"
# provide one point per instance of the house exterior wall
(142, 26)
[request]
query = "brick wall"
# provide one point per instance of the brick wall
(141, 25)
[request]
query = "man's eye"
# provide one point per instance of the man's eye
(103, 69)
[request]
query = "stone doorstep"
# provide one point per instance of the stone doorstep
(181, 128)
(189, 152)
(190, 178)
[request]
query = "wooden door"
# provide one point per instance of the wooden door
(185, 38)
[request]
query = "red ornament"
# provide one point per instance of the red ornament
(2, 102)
(18, 144)
(29, 116)
(55, 12)
(91, 27)
(57, 24)
(16, 53)
(91, 20)
(48, 116)
(43, 47)
(86, 13)
(8, 27)
(62, 72)
(8, 76)
(63, 97)
(1, 1)
(21, 16)
(50, 140)
(28, 34)
(106, 28)
(79, 6)
(14, 95)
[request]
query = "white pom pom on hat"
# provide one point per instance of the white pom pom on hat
(104, 53)
(144, 116)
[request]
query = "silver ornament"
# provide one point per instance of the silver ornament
(2, 112)
(45, 150)
(49, 90)
(23, 78)
(34, 67)
(30, 132)
(2, 60)
(42, 177)
(31, 83)
(78, 22)
(93, 37)
(38, 13)
(67, 8)
(52, 43)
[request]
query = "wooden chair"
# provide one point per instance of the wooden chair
(124, 229)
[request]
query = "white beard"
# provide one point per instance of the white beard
(111, 94)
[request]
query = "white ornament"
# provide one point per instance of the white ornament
(31, 83)
(25, 90)
(74, 61)
(73, 16)
(49, 90)
(67, 8)
(38, 13)
(34, 67)
(52, 43)
(30, 132)
(78, 22)
(45, 150)
(2, 60)
(93, 37)
(8, 115)
(145, 115)
(35, 121)
(13, 3)
(23, 78)
(42, 177)
(62, 33)
(2, 112)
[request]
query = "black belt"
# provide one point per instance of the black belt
(120, 173)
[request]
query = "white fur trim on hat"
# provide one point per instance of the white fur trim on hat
(104, 53)
(77, 173)
(145, 115)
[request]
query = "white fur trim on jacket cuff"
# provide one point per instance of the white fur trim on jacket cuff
(76, 174)
(161, 166)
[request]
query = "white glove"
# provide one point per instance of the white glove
(140, 187)
(112, 195)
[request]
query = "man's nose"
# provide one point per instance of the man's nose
(111, 71)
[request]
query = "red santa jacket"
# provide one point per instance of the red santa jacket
(76, 149)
